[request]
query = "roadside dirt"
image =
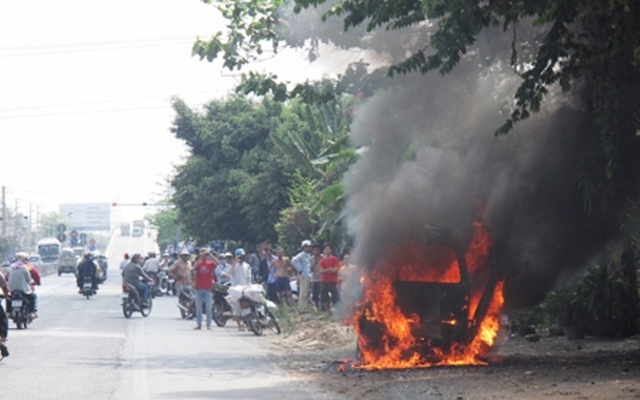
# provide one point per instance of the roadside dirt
(312, 346)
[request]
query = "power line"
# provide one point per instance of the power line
(52, 49)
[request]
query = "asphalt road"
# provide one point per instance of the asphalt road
(86, 349)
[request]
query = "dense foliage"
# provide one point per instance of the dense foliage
(234, 183)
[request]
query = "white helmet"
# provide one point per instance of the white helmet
(21, 255)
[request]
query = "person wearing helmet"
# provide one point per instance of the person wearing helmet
(20, 279)
(86, 267)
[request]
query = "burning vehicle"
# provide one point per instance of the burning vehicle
(430, 302)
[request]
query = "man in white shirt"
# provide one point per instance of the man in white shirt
(151, 266)
(302, 263)
(240, 275)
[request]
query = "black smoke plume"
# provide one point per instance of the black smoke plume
(432, 159)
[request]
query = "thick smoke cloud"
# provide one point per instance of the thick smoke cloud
(432, 160)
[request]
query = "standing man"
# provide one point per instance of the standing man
(240, 275)
(329, 268)
(270, 276)
(254, 262)
(302, 263)
(282, 268)
(316, 279)
(204, 269)
(181, 270)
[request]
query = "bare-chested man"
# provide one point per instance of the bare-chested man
(282, 268)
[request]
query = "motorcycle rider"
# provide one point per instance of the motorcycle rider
(125, 261)
(4, 321)
(151, 266)
(20, 279)
(87, 268)
(131, 275)
(101, 263)
(34, 273)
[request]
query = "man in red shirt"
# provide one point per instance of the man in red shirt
(204, 271)
(329, 268)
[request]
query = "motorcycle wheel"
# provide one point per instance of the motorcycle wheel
(273, 323)
(126, 308)
(255, 325)
(183, 313)
(174, 290)
(216, 313)
(146, 310)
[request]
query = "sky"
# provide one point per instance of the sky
(85, 92)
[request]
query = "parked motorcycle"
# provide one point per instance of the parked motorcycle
(87, 287)
(131, 302)
(20, 309)
(255, 309)
(166, 284)
(221, 309)
(186, 302)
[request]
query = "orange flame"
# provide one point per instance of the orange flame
(398, 341)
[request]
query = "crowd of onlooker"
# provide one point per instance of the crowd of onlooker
(310, 278)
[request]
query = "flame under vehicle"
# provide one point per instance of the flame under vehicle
(427, 302)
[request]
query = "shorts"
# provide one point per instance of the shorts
(283, 285)
(329, 292)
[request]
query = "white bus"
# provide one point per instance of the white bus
(49, 250)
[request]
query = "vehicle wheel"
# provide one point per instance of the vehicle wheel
(216, 313)
(146, 310)
(59, 273)
(174, 290)
(87, 296)
(273, 323)
(255, 325)
(183, 313)
(126, 308)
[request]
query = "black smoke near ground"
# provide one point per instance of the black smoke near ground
(432, 160)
